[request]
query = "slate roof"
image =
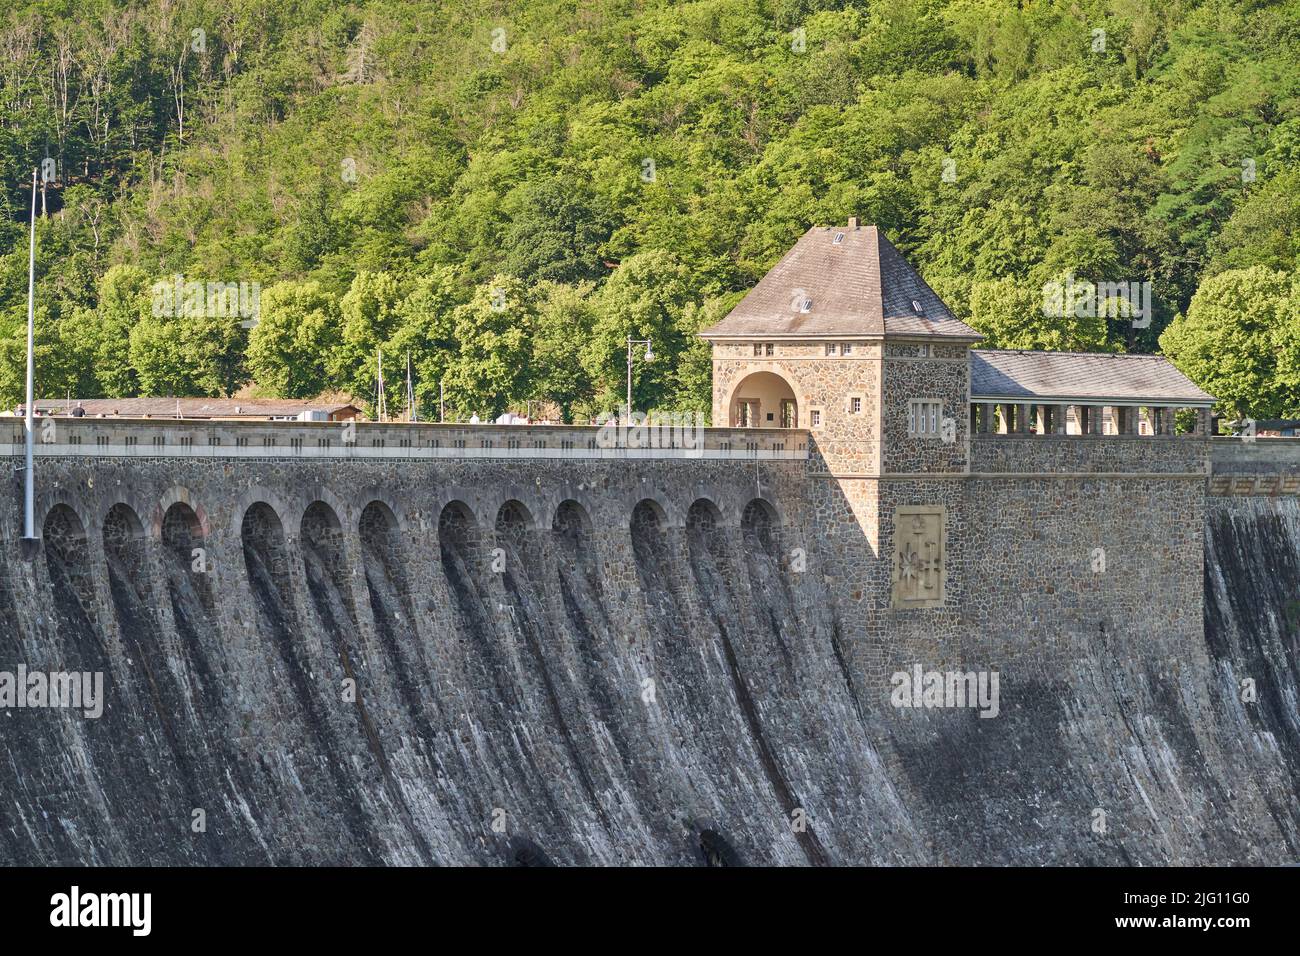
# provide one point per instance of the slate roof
(189, 407)
(860, 285)
(1080, 375)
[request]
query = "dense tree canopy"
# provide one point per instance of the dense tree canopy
(506, 191)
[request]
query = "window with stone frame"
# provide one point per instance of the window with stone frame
(924, 417)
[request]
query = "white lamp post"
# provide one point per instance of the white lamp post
(29, 487)
(649, 357)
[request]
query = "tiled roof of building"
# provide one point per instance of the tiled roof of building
(189, 407)
(841, 281)
(1080, 375)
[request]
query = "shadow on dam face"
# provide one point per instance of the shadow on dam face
(316, 745)
(36, 794)
(499, 693)
(392, 607)
(714, 572)
(601, 672)
(133, 750)
(524, 592)
(185, 563)
(67, 561)
(142, 640)
(325, 568)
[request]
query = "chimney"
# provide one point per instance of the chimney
(853, 222)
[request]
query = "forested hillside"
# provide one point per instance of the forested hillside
(507, 190)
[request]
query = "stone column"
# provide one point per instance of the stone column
(1125, 419)
(986, 417)
(1202, 422)
(1094, 419)
(1060, 419)
(1045, 413)
(1022, 418)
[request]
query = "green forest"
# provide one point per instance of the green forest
(505, 191)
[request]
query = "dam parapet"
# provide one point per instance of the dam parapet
(182, 438)
(1262, 467)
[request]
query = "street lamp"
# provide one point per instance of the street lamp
(649, 357)
(29, 483)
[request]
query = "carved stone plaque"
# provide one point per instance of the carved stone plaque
(919, 574)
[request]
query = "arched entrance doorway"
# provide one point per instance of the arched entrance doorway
(763, 400)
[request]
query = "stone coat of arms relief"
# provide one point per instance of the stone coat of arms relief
(919, 575)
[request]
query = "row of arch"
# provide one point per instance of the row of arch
(182, 529)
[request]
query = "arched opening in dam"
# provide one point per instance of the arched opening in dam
(320, 539)
(572, 525)
(457, 528)
(648, 527)
(384, 562)
(704, 521)
(595, 639)
(763, 400)
(67, 561)
(266, 558)
(512, 524)
(124, 538)
(128, 584)
(185, 560)
(758, 524)
(575, 541)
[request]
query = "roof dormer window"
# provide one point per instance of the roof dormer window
(805, 305)
(916, 306)
(839, 237)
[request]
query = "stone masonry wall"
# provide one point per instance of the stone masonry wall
(501, 620)
(849, 441)
(907, 377)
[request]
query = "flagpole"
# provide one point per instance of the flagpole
(29, 488)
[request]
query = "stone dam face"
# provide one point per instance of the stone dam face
(666, 660)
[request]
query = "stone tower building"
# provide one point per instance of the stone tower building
(844, 339)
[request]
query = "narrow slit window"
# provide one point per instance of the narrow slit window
(924, 417)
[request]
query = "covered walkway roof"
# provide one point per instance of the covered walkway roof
(1091, 378)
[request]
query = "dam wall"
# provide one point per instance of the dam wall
(515, 645)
